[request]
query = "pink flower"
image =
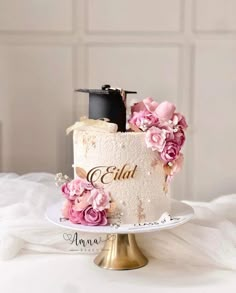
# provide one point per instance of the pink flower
(147, 104)
(180, 120)
(85, 204)
(179, 137)
(65, 190)
(168, 127)
(150, 104)
(143, 120)
(66, 209)
(81, 202)
(137, 107)
(74, 216)
(99, 199)
(155, 138)
(86, 185)
(76, 188)
(92, 217)
(170, 151)
(165, 111)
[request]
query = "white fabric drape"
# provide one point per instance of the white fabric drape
(208, 239)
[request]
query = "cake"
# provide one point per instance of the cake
(123, 177)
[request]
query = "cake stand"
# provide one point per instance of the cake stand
(120, 251)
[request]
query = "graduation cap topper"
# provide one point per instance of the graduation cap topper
(109, 103)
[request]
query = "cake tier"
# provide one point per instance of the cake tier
(124, 166)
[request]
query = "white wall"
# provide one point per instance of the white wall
(183, 51)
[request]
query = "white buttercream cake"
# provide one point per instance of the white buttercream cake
(127, 169)
(123, 177)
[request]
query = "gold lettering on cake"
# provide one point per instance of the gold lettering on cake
(107, 174)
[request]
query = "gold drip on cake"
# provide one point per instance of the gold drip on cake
(141, 217)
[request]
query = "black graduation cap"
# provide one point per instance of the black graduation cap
(108, 103)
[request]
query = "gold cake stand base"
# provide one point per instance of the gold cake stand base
(120, 252)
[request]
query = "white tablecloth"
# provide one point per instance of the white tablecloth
(35, 273)
(199, 256)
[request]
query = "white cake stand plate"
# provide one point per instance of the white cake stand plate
(121, 251)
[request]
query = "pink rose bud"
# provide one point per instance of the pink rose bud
(165, 111)
(170, 151)
(92, 217)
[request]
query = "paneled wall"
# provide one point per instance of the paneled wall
(183, 51)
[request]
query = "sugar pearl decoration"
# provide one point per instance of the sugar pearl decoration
(149, 200)
(115, 225)
(122, 202)
(148, 173)
(175, 129)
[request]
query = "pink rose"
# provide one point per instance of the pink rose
(143, 120)
(165, 111)
(67, 205)
(86, 185)
(179, 137)
(92, 217)
(81, 202)
(99, 199)
(168, 127)
(155, 138)
(170, 151)
(147, 104)
(76, 188)
(65, 190)
(150, 104)
(180, 120)
(74, 216)
(137, 107)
